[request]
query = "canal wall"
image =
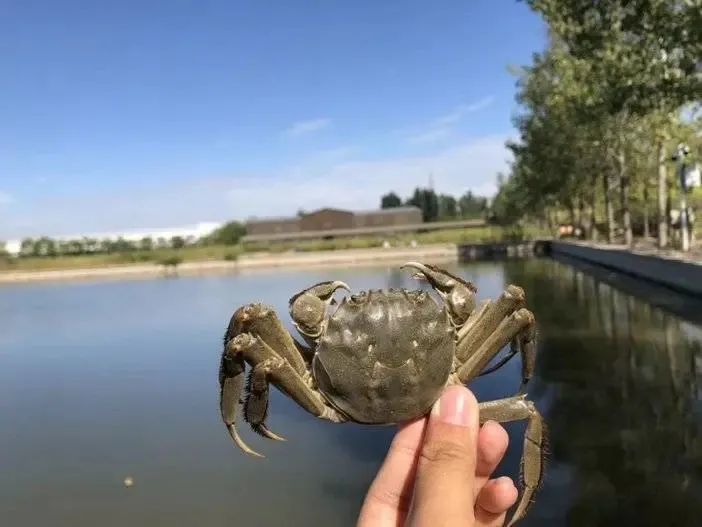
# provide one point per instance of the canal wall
(681, 276)
(500, 250)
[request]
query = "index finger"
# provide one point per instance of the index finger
(389, 497)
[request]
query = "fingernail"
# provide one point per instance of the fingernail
(453, 406)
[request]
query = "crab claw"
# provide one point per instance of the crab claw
(458, 294)
(231, 381)
(308, 307)
(266, 432)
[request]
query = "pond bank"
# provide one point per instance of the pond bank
(684, 276)
(438, 253)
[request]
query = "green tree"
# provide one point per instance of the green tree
(228, 234)
(124, 246)
(390, 200)
(27, 247)
(91, 245)
(45, 246)
(107, 246)
(177, 242)
(427, 201)
(448, 208)
(471, 206)
(643, 58)
(146, 243)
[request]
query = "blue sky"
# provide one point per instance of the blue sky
(144, 114)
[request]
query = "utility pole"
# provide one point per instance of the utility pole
(679, 156)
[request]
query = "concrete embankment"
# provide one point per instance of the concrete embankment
(679, 275)
(441, 253)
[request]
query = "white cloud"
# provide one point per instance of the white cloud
(460, 111)
(306, 127)
(441, 127)
(336, 178)
(359, 184)
(430, 136)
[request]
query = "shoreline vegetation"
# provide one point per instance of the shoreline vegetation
(433, 253)
(213, 258)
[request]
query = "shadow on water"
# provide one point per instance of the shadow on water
(620, 380)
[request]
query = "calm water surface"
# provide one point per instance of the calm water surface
(99, 381)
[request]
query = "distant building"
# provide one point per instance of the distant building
(329, 219)
(386, 217)
(272, 226)
(326, 220)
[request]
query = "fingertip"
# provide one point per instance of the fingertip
(492, 445)
(495, 431)
(498, 495)
(508, 490)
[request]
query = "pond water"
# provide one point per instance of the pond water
(102, 381)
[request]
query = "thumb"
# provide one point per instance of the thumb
(444, 486)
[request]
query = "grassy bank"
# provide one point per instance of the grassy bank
(457, 236)
(232, 252)
(157, 256)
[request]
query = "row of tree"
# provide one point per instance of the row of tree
(439, 207)
(46, 246)
(602, 110)
(228, 234)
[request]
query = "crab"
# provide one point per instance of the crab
(382, 357)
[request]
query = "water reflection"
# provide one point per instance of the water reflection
(624, 405)
(100, 381)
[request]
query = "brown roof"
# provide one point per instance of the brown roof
(328, 209)
(392, 210)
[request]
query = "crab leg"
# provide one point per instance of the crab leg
(520, 326)
(268, 365)
(532, 467)
(470, 336)
(474, 317)
(524, 343)
(231, 382)
(256, 400)
(262, 321)
(282, 374)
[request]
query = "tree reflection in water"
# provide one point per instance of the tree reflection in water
(619, 383)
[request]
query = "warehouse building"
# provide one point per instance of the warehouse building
(329, 220)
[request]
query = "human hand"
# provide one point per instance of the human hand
(437, 471)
